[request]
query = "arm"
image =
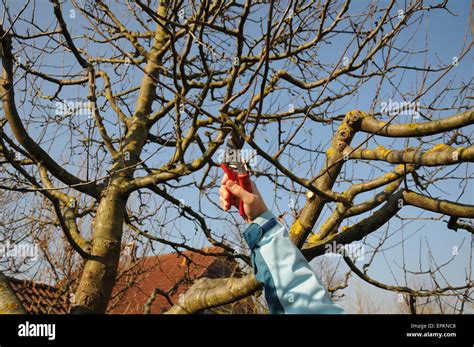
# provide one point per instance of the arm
(290, 285)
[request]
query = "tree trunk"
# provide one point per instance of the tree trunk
(98, 277)
(9, 303)
(313, 207)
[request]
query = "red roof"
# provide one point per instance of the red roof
(39, 298)
(170, 274)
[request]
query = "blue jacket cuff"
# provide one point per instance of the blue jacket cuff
(258, 228)
(263, 218)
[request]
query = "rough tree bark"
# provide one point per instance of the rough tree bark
(9, 303)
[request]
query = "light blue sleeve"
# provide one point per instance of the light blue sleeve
(290, 285)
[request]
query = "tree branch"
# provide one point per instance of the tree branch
(436, 156)
(372, 125)
(14, 120)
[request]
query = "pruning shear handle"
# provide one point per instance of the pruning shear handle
(242, 179)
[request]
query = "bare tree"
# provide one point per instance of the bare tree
(115, 114)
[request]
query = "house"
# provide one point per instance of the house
(172, 274)
(148, 285)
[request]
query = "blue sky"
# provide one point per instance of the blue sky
(446, 35)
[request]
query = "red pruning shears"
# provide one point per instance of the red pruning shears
(235, 166)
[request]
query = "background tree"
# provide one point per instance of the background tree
(115, 113)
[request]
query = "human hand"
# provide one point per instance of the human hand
(231, 194)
